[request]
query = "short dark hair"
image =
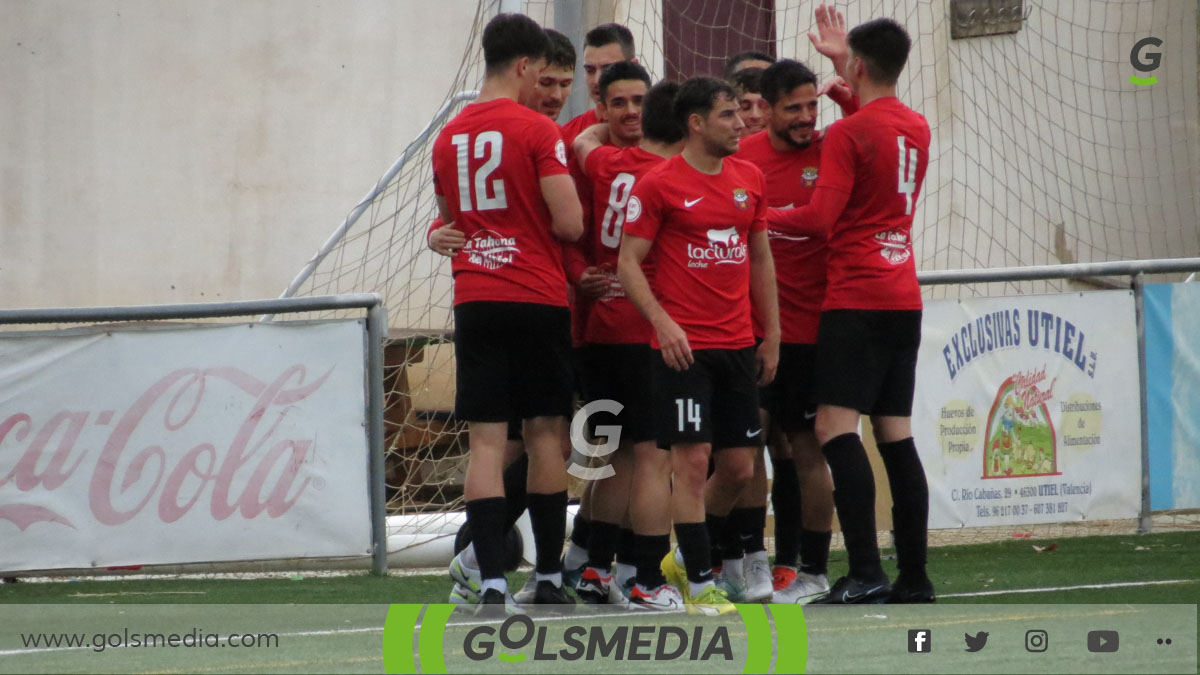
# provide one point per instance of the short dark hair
(509, 37)
(784, 76)
(562, 52)
(609, 33)
(698, 95)
(748, 80)
(883, 45)
(621, 70)
(736, 60)
(658, 114)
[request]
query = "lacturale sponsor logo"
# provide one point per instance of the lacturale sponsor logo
(518, 639)
(725, 247)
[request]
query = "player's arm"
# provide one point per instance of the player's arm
(566, 213)
(673, 341)
(595, 136)
(839, 92)
(443, 238)
(814, 219)
(766, 303)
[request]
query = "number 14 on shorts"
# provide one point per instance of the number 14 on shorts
(689, 413)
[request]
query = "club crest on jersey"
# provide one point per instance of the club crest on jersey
(809, 176)
(560, 152)
(741, 198)
(633, 210)
(895, 246)
(490, 250)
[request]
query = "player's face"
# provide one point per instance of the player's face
(553, 89)
(623, 110)
(722, 128)
(595, 60)
(753, 110)
(794, 116)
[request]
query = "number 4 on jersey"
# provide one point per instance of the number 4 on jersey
(908, 175)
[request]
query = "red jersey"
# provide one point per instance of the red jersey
(613, 172)
(578, 125)
(700, 226)
(487, 163)
(878, 157)
(799, 260)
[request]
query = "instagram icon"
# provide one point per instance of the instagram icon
(1036, 641)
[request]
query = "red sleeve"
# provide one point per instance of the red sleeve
(760, 209)
(437, 185)
(597, 158)
(849, 106)
(437, 222)
(549, 150)
(834, 183)
(644, 213)
(575, 259)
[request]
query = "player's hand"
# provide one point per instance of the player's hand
(836, 89)
(593, 282)
(830, 40)
(674, 344)
(447, 241)
(767, 357)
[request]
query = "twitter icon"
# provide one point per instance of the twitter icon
(976, 642)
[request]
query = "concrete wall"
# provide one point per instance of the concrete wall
(202, 150)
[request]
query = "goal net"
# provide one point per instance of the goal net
(1042, 153)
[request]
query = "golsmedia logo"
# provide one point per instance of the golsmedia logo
(437, 639)
(1145, 58)
(511, 642)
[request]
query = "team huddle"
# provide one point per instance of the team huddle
(736, 280)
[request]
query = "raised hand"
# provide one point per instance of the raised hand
(830, 39)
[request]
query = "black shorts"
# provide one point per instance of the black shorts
(620, 373)
(714, 401)
(867, 360)
(789, 397)
(513, 361)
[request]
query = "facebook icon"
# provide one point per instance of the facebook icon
(920, 641)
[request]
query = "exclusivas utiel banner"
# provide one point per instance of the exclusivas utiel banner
(182, 444)
(1027, 409)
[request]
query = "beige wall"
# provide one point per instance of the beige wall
(191, 151)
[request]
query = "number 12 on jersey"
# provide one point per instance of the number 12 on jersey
(689, 413)
(491, 145)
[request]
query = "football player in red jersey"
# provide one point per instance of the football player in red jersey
(703, 214)
(500, 173)
(872, 167)
(617, 358)
(752, 108)
(603, 46)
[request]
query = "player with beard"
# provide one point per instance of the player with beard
(703, 215)
(870, 325)
(500, 174)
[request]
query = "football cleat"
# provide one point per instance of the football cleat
(712, 601)
(782, 576)
(907, 592)
(598, 588)
(759, 585)
(850, 591)
(804, 589)
(665, 598)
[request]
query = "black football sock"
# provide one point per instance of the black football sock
(814, 551)
(693, 544)
(602, 544)
(722, 539)
(486, 517)
(626, 552)
(651, 549)
(854, 497)
(581, 531)
(910, 505)
(548, 516)
(785, 498)
(515, 476)
(750, 523)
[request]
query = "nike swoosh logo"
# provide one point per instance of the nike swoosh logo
(848, 597)
(706, 572)
(689, 203)
(809, 416)
(752, 434)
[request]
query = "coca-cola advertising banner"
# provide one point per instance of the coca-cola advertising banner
(1028, 409)
(183, 444)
